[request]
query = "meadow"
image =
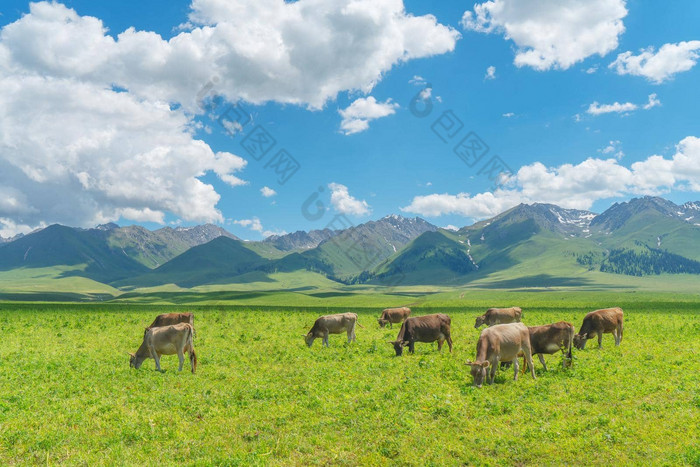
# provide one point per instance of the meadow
(261, 397)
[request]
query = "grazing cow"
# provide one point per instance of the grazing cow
(429, 328)
(167, 319)
(600, 322)
(549, 339)
(166, 340)
(393, 315)
(499, 316)
(332, 324)
(502, 342)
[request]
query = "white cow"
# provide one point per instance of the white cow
(500, 343)
(332, 324)
(166, 340)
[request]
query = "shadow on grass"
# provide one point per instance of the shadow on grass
(540, 280)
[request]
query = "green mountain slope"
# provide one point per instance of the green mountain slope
(355, 250)
(218, 261)
(538, 245)
(154, 248)
(544, 246)
(57, 245)
(432, 258)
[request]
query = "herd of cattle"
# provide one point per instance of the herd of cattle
(500, 344)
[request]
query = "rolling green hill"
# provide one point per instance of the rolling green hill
(154, 248)
(543, 245)
(432, 258)
(528, 246)
(57, 245)
(220, 260)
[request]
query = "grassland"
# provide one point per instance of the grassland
(260, 397)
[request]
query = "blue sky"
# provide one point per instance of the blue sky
(538, 115)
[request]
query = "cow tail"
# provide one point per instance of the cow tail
(571, 341)
(193, 355)
(358, 323)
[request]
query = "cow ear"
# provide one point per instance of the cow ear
(486, 364)
(390, 342)
(405, 343)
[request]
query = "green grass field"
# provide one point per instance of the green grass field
(260, 396)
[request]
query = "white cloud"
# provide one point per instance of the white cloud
(417, 81)
(255, 225)
(79, 154)
(451, 227)
(357, 116)
(574, 186)
(598, 109)
(252, 224)
(9, 228)
(653, 102)
(551, 33)
(592, 69)
(490, 73)
(267, 191)
(346, 204)
(87, 130)
(509, 115)
(302, 52)
(613, 148)
(658, 66)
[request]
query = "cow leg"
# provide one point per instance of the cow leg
(492, 372)
(181, 357)
(352, 332)
(449, 342)
(528, 356)
(618, 336)
(516, 367)
(155, 356)
(440, 342)
(411, 346)
(193, 360)
(600, 340)
(542, 361)
(325, 338)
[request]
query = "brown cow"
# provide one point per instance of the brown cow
(502, 342)
(167, 319)
(429, 328)
(166, 340)
(332, 324)
(393, 315)
(549, 339)
(608, 320)
(499, 316)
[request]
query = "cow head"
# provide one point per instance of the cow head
(398, 346)
(134, 361)
(382, 322)
(478, 370)
(479, 322)
(309, 339)
(580, 341)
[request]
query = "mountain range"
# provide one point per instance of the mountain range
(528, 245)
